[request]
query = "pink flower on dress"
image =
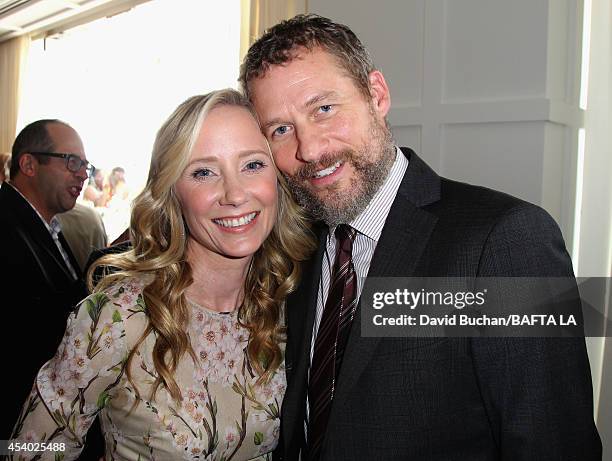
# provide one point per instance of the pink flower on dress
(181, 439)
(231, 436)
(195, 446)
(126, 299)
(31, 436)
(210, 336)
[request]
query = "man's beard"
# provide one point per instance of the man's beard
(371, 162)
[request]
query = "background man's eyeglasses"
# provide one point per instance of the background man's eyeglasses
(74, 163)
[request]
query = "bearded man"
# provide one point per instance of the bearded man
(384, 213)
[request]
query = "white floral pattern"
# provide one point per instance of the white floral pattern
(224, 415)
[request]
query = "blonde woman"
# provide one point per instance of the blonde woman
(181, 351)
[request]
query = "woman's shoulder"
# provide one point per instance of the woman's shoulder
(120, 301)
(128, 290)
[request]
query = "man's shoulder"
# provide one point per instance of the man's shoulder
(500, 224)
(462, 201)
(469, 224)
(7, 200)
(449, 196)
(465, 192)
(15, 216)
(470, 213)
(14, 207)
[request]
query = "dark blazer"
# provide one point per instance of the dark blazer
(38, 293)
(448, 398)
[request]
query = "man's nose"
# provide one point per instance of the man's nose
(82, 173)
(312, 144)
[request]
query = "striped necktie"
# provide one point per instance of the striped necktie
(331, 339)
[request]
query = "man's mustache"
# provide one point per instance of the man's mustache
(325, 161)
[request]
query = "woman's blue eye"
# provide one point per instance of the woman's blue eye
(255, 165)
(202, 173)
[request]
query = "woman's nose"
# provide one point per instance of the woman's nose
(234, 192)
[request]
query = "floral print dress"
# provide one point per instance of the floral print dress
(225, 414)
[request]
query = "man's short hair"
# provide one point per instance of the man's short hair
(33, 138)
(278, 45)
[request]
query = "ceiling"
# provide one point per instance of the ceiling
(18, 17)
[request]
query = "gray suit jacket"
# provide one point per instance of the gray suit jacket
(448, 398)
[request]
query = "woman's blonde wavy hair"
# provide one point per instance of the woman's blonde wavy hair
(158, 234)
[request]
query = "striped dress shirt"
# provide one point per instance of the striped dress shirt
(369, 225)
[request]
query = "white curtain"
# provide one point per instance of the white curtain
(13, 55)
(259, 15)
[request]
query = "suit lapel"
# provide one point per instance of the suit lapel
(54, 253)
(301, 309)
(73, 262)
(405, 235)
(35, 231)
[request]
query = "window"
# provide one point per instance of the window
(115, 80)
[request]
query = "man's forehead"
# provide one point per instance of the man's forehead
(310, 64)
(297, 54)
(65, 137)
(58, 129)
(300, 88)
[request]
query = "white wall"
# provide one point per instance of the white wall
(488, 92)
(491, 83)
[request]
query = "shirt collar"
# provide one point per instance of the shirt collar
(371, 220)
(54, 226)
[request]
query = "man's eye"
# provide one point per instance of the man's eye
(325, 108)
(281, 130)
(255, 165)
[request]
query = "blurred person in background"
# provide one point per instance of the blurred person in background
(182, 351)
(5, 164)
(94, 192)
(84, 231)
(117, 200)
(116, 188)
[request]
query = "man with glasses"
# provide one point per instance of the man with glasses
(42, 281)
